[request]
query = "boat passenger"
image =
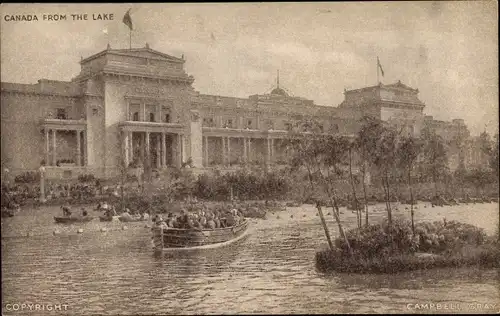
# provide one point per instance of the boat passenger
(230, 220)
(190, 222)
(170, 220)
(145, 216)
(202, 220)
(66, 210)
(126, 214)
(211, 223)
(217, 219)
(182, 220)
(236, 217)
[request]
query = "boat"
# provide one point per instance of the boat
(175, 239)
(104, 218)
(72, 219)
(7, 213)
(132, 219)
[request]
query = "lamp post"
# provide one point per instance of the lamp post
(42, 184)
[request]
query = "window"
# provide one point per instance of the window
(166, 118)
(288, 126)
(208, 122)
(95, 112)
(61, 114)
(249, 123)
(135, 116)
(270, 125)
(151, 117)
(229, 123)
(321, 130)
(335, 128)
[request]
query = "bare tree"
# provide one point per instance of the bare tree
(408, 151)
(321, 156)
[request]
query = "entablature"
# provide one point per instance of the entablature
(152, 127)
(70, 125)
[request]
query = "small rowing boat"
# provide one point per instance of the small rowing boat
(104, 218)
(132, 219)
(174, 239)
(73, 219)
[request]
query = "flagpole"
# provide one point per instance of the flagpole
(130, 38)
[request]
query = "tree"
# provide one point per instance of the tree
(380, 143)
(322, 156)
(364, 140)
(485, 144)
(408, 152)
(124, 172)
(494, 157)
(350, 148)
(480, 178)
(435, 157)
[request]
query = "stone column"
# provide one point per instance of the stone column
(141, 145)
(148, 149)
(183, 149)
(131, 145)
(272, 150)
(126, 148)
(245, 149)
(54, 154)
(249, 150)
(207, 162)
(179, 149)
(229, 151)
(223, 139)
(47, 148)
(163, 150)
(78, 149)
(158, 151)
(84, 148)
(268, 153)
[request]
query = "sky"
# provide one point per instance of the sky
(448, 50)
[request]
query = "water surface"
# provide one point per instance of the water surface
(271, 271)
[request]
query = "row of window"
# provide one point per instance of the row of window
(228, 123)
(152, 117)
(249, 123)
(207, 122)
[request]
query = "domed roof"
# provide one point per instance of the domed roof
(279, 91)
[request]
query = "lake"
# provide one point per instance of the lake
(271, 271)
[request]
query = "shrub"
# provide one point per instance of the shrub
(245, 183)
(28, 177)
(436, 237)
(378, 248)
(86, 178)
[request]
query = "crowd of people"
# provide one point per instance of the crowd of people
(200, 219)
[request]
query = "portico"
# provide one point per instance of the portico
(227, 146)
(160, 144)
(54, 127)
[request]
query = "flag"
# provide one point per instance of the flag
(380, 66)
(128, 20)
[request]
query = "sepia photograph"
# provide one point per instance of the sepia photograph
(250, 158)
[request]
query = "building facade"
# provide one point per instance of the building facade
(138, 106)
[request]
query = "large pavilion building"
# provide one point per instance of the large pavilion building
(138, 106)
